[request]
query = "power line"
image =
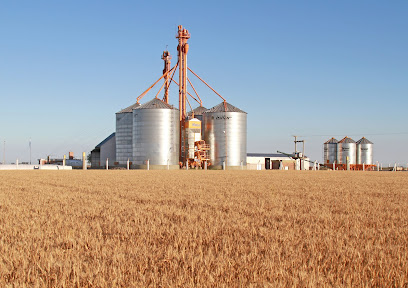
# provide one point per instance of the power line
(365, 134)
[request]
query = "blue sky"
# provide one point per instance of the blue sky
(312, 68)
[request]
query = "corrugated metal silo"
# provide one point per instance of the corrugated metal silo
(156, 131)
(330, 151)
(124, 134)
(198, 112)
(225, 130)
(346, 148)
(364, 151)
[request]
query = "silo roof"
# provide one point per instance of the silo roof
(347, 140)
(331, 141)
(364, 141)
(155, 104)
(227, 108)
(198, 111)
(129, 109)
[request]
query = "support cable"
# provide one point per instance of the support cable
(189, 104)
(188, 93)
(206, 84)
(160, 89)
(192, 86)
(144, 93)
(174, 72)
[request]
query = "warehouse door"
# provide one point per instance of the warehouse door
(267, 163)
(275, 164)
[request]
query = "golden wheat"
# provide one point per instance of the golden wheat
(203, 228)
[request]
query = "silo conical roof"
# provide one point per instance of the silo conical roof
(129, 109)
(364, 141)
(155, 103)
(331, 141)
(224, 107)
(198, 111)
(347, 140)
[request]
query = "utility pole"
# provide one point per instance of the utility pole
(299, 141)
(303, 150)
(295, 144)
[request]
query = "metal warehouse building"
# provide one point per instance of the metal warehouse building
(266, 161)
(104, 150)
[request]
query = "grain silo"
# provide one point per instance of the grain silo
(330, 151)
(124, 134)
(364, 151)
(198, 112)
(156, 129)
(346, 147)
(225, 130)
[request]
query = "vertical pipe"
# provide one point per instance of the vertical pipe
(180, 61)
(205, 165)
(348, 163)
(185, 81)
(182, 48)
(295, 144)
(83, 161)
(127, 164)
(17, 164)
(64, 161)
(166, 57)
(107, 164)
(148, 164)
(223, 165)
(363, 166)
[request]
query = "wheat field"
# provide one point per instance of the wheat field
(203, 228)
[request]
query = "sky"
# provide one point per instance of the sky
(317, 69)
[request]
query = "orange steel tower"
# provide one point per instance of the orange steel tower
(183, 35)
(167, 61)
(168, 75)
